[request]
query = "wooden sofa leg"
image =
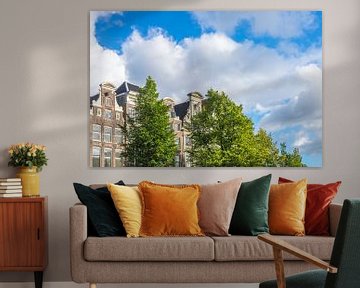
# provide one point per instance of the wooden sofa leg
(92, 285)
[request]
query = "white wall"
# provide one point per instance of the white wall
(44, 98)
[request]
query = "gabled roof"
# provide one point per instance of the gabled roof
(126, 87)
(93, 98)
(181, 109)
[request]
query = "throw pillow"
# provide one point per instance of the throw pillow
(102, 215)
(319, 197)
(250, 215)
(127, 201)
(169, 210)
(216, 206)
(287, 208)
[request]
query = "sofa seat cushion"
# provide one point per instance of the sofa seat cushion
(149, 249)
(244, 248)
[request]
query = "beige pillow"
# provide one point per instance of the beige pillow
(216, 206)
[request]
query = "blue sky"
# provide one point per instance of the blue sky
(268, 61)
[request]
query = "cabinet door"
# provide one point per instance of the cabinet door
(21, 234)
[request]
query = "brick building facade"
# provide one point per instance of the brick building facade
(108, 110)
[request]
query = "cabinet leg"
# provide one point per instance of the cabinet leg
(92, 285)
(38, 279)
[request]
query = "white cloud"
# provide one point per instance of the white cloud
(105, 64)
(279, 24)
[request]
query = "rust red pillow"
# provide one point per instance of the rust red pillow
(319, 197)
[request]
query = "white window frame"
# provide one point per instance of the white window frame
(95, 132)
(108, 101)
(107, 157)
(94, 155)
(107, 137)
(119, 159)
(177, 160)
(118, 136)
(132, 112)
(108, 114)
(178, 141)
(98, 112)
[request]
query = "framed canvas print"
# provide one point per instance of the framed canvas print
(205, 89)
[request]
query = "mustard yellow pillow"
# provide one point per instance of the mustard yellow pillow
(127, 201)
(169, 210)
(287, 204)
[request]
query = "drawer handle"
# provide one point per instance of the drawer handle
(38, 234)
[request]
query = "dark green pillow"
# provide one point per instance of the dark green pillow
(250, 216)
(103, 218)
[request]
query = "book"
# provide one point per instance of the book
(10, 183)
(10, 180)
(10, 191)
(4, 195)
(10, 187)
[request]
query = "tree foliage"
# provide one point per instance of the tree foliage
(150, 139)
(222, 135)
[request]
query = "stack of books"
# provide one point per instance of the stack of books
(10, 187)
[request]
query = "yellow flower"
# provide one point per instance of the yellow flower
(29, 154)
(11, 151)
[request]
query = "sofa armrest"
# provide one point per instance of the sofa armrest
(334, 217)
(78, 235)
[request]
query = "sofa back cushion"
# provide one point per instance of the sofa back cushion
(287, 204)
(319, 197)
(103, 218)
(127, 201)
(169, 210)
(216, 206)
(250, 215)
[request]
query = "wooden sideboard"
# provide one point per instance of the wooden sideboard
(23, 235)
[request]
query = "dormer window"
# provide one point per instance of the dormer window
(108, 101)
(98, 112)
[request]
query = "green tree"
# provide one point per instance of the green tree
(287, 159)
(222, 135)
(150, 139)
(267, 152)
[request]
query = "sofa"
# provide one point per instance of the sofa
(233, 259)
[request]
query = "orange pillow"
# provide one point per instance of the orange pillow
(318, 200)
(287, 204)
(169, 210)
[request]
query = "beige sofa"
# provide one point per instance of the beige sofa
(234, 259)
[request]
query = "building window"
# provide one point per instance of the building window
(92, 111)
(131, 113)
(98, 112)
(107, 157)
(119, 159)
(95, 157)
(108, 114)
(107, 134)
(119, 139)
(187, 159)
(108, 101)
(177, 141)
(96, 132)
(177, 127)
(177, 161)
(118, 115)
(187, 140)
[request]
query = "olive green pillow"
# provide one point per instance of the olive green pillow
(250, 216)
